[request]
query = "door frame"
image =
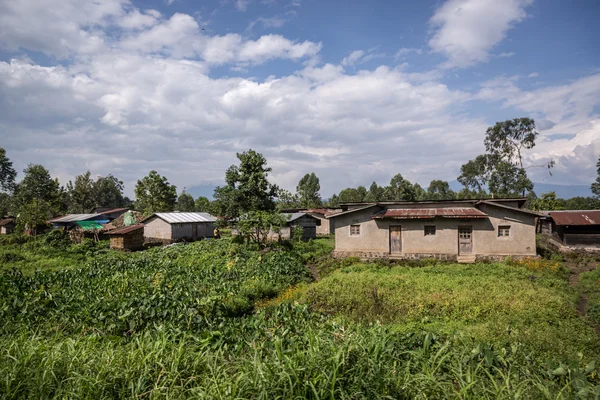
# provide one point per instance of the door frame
(390, 238)
(458, 237)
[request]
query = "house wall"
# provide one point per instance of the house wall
(326, 226)
(6, 229)
(156, 228)
(374, 234)
(193, 231)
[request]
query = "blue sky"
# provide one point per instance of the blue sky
(355, 91)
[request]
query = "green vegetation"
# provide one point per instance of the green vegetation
(216, 319)
(589, 283)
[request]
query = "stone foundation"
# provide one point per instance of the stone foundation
(366, 255)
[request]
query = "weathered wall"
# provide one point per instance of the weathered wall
(193, 230)
(374, 234)
(156, 228)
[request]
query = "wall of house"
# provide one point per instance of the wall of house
(156, 228)
(193, 230)
(374, 234)
(326, 226)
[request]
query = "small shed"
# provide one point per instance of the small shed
(306, 221)
(173, 227)
(7, 225)
(579, 228)
(127, 238)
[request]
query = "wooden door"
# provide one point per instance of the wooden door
(395, 239)
(465, 240)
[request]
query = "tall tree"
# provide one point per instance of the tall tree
(400, 189)
(247, 187)
(202, 204)
(308, 191)
(37, 197)
(334, 201)
(596, 185)
(420, 193)
(440, 190)
(185, 202)
(502, 168)
(7, 173)
(547, 202)
(376, 193)
(108, 192)
(80, 194)
(351, 195)
(286, 199)
(154, 193)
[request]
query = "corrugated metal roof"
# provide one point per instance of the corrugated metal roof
(521, 210)
(126, 229)
(185, 217)
(417, 213)
(293, 216)
(74, 217)
(114, 210)
(579, 217)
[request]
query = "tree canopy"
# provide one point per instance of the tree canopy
(596, 185)
(81, 194)
(308, 191)
(7, 173)
(501, 168)
(185, 202)
(154, 193)
(247, 187)
(108, 192)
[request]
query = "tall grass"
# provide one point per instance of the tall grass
(491, 302)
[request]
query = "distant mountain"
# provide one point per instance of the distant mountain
(206, 190)
(562, 191)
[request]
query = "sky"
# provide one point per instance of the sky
(355, 91)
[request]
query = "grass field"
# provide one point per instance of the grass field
(217, 319)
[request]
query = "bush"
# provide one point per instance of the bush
(57, 239)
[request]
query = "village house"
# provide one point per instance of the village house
(170, 227)
(7, 225)
(127, 238)
(460, 230)
(325, 226)
(307, 221)
(575, 228)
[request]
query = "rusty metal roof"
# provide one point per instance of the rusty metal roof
(579, 217)
(126, 229)
(7, 221)
(425, 213)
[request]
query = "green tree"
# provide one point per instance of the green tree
(334, 201)
(247, 187)
(547, 202)
(400, 189)
(37, 197)
(308, 191)
(154, 193)
(596, 185)
(202, 204)
(5, 204)
(502, 169)
(351, 195)
(80, 194)
(581, 203)
(420, 193)
(286, 199)
(376, 193)
(185, 202)
(440, 190)
(7, 173)
(108, 192)
(255, 226)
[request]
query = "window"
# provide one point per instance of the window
(504, 231)
(354, 230)
(429, 230)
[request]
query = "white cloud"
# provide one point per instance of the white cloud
(506, 55)
(272, 22)
(352, 58)
(242, 5)
(405, 51)
(533, 75)
(466, 30)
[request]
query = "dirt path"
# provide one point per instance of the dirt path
(578, 268)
